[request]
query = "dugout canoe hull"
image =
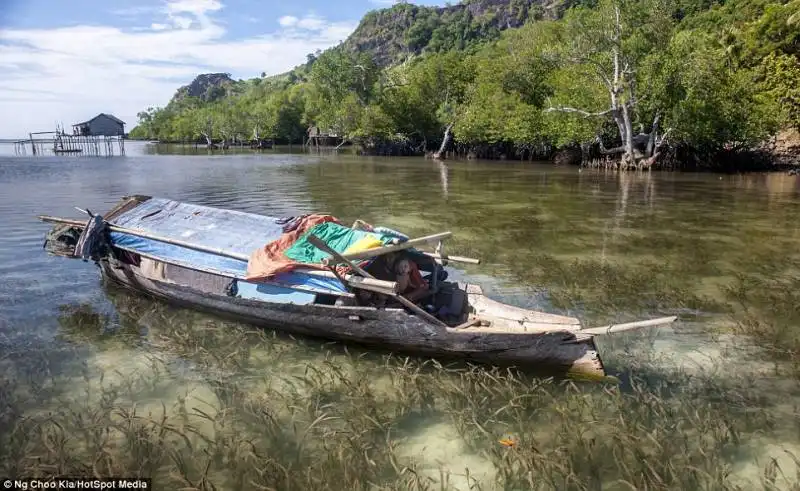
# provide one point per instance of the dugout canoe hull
(557, 347)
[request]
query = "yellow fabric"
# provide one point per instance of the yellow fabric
(366, 242)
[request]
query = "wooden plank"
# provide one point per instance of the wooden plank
(127, 203)
(469, 323)
(471, 288)
(492, 308)
(547, 326)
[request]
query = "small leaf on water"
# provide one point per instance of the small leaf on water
(507, 442)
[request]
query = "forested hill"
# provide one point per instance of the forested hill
(699, 80)
(393, 35)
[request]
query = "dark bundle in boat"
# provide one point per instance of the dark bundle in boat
(313, 275)
(62, 239)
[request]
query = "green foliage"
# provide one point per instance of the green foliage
(419, 34)
(777, 30)
(708, 103)
(504, 102)
(721, 74)
(782, 81)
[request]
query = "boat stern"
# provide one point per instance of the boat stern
(62, 239)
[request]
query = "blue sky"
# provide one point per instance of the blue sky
(64, 61)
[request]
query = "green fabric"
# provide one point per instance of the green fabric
(338, 238)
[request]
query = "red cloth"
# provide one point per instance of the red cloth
(408, 275)
(269, 260)
(415, 277)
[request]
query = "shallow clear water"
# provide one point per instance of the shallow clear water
(600, 245)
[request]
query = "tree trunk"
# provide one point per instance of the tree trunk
(633, 151)
(651, 142)
(627, 158)
(209, 143)
(440, 154)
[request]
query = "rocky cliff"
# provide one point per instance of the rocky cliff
(208, 87)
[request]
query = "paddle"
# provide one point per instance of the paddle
(319, 244)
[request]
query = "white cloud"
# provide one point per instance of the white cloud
(181, 22)
(311, 22)
(288, 20)
(134, 11)
(196, 7)
(70, 74)
(431, 3)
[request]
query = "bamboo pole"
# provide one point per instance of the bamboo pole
(472, 322)
(379, 251)
(317, 242)
(458, 259)
(354, 281)
(614, 328)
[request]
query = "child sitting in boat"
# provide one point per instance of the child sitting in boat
(409, 280)
(395, 266)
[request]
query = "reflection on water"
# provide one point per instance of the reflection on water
(191, 399)
(444, 178)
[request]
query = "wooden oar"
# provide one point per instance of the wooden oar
(371, 284)
(319, 244)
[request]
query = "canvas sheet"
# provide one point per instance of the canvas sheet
(213, 263)
(229, 230)
(336, 236)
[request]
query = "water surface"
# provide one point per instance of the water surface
(600, 245)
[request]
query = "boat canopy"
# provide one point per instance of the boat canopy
(228, 230)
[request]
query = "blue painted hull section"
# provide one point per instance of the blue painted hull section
(271, 293)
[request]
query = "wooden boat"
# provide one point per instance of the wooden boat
(197, 256)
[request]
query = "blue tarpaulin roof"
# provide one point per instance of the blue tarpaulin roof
(232, 231)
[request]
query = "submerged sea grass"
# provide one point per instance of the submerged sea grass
(341, 423)
(204, 404)
(767, 303)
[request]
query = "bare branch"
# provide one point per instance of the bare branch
(598, 67)
(608, 151)
(579, 111)
(663, 139)
(605, 78)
